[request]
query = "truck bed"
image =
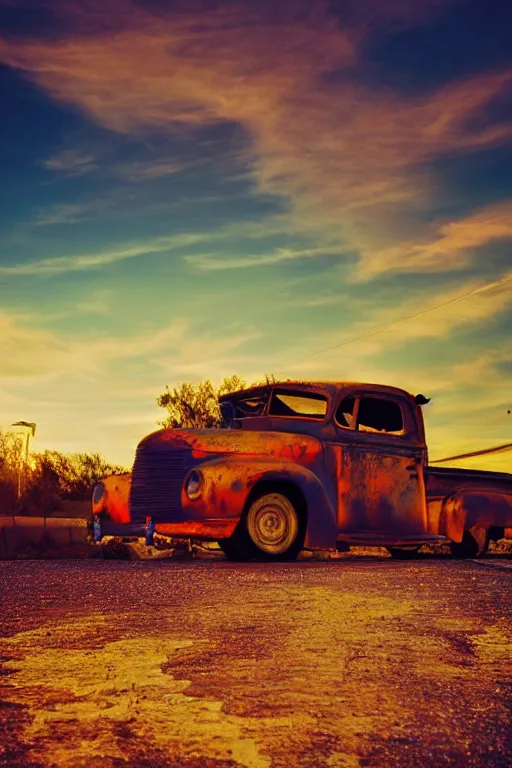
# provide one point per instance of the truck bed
(442, 482)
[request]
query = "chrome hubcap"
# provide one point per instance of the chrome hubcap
(273, 527)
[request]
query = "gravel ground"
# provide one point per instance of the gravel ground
(362, 661)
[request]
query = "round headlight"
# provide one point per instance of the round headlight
(194, 485)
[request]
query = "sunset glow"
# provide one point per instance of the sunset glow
(196, 189)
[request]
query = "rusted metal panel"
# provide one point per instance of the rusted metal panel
(228, 482)
(381, 492)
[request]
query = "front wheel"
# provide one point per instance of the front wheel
(274, 528)
(474, 543)
(270, 529)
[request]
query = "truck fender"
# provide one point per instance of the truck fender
(230, 482)
(474, 509)
(110, 497)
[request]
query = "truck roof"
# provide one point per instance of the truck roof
(327, 388)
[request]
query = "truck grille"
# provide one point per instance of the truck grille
(156, 485)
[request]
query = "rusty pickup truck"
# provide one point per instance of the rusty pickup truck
(313, 466)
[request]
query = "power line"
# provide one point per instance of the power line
(414, 315)
(495, 449)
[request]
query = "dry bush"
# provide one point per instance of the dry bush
(56, 476)
(195, 406)
(47, 479)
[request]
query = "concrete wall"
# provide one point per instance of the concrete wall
(43, 536)
(73, 509)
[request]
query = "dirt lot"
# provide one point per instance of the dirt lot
(360, 661)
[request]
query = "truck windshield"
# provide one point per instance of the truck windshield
(244, 407)
(303, 404)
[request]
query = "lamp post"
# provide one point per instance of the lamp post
(32, 431)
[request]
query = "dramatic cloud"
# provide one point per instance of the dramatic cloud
(352, 158)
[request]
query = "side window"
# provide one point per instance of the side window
(345, 413)
(376, 414)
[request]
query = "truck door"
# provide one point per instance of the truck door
(381, 457)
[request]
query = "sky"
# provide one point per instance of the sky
(195, 189)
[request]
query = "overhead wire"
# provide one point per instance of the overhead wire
(414, 315)
(494, 449)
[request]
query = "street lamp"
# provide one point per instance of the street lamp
(32, 427)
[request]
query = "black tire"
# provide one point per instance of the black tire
(403, 553)
(234, 548)
(474, 543)
(254, 538)
(274, 528)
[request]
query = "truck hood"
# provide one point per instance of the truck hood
(206, 443)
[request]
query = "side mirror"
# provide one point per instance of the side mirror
(421, 400)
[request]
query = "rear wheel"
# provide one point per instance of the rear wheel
(403, 553)
(474, 543)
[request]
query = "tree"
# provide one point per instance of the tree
(11, 458)
(70, 476)
(195, 406)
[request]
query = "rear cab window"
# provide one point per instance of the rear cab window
(305, 405)
(369, 413)
(378, 414)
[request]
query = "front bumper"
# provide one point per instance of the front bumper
(99, 527)
(201, 530)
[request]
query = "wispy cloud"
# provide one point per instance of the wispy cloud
(211, 260)
(450, 247)
(71, 213)
(80, 262)
(149, 170)
(315, 301)
(432, 316)
(376, 329)
(219, 263)
(175, 348)
(98, 303)
(71, 162)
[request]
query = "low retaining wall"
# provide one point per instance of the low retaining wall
(43, 536)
